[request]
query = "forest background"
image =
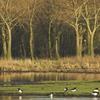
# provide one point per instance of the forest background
(49, 28)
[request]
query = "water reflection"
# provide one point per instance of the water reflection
(20, 97)
(95, 98)
(28, 78)
(43, 98)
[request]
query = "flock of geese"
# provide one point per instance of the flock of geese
(65, 90)
(95, 92)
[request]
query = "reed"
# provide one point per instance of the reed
(68, 64)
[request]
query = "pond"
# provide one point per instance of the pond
(33, 77)
(44, 98)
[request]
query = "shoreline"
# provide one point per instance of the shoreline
(82, 71)
(46, 95)
(84, 89)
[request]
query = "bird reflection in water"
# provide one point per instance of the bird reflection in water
(95, 98)
(20, 97)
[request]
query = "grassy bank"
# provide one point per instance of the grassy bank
(84, 88)
(72, 64)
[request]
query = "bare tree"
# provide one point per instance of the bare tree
(91, 15)
(9, 13)
(52, 15)
(72, 16)
(28, 22)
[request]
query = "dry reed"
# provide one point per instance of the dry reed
(68, 64)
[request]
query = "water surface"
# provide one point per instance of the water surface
(31, 77)
(44, 98)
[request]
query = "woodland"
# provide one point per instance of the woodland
(49, 28)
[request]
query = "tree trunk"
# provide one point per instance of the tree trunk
(89, 52)
(56, 48)
(9, 55)
(49, 39)
(81, 45)
(91, 49)
(4, 43)
(78, 50)
(23, 48)
(31, 41)
(90, 45)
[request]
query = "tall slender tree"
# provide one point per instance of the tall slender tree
(29, 17)
(73, 18)
(91, 15)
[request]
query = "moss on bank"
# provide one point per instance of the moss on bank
(84, 88)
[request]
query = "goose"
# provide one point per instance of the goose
(96, 90)
(20, 91)
(95, 93)
(51, 96)
(65, 89)
(73, 89)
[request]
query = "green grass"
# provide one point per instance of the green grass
(45, 88)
